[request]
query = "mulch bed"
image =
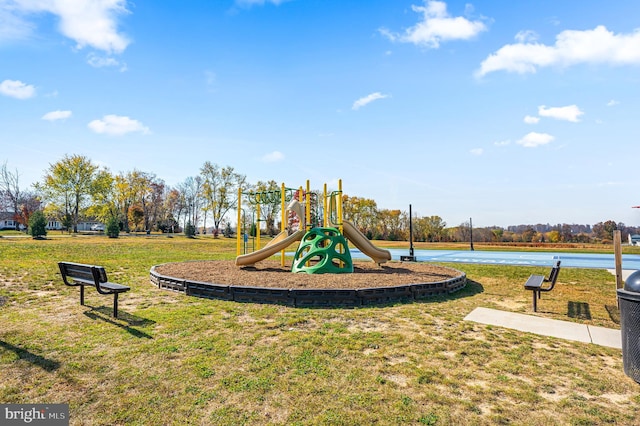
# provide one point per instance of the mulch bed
(269, 273)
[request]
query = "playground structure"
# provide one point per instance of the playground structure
(315, 222)
(321, 230)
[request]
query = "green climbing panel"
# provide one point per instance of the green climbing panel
(323, 251)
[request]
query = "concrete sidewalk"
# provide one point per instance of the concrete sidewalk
(625, 273)
(548, 327)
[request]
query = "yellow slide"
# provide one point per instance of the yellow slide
(363, 244)
(279, 242)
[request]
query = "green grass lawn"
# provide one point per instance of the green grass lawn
(173, 359)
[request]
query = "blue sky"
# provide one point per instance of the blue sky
(506, 112)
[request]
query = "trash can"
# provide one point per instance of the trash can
(629, 302)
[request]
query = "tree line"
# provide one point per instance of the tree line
(394, 225)
(75, 189)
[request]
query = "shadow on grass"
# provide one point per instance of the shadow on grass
(470, 289)
(579, 310)
(45, 363)
(103, 313)
(614, 313)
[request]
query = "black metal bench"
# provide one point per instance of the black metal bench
(534, 283)
(78, 274)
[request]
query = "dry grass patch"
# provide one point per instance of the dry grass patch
(173, 359)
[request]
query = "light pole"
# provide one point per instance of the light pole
(471, 232)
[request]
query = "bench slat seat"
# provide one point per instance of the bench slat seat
(535, 282)
(113, 288)
(78, 274)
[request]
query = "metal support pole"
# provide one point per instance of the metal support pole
(283, 224)
(239, 207)
(325, 222)
(258, 224)
(471, 229)
(308, 204)
(410, 232)
(411, 257)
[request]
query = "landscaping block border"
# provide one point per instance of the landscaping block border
(311, 298)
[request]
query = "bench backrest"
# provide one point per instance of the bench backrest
(553, 275)
(81, 274)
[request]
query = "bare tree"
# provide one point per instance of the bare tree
(11, 194)
(463, 232)
(190, 194)
(220, 188)
(172, 207)
(29, 203)
(155, 204)
(268, 194)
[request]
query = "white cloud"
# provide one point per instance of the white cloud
(57, 115)
(553, 20)
(17, 89)
(273, 157)
(567, 113)
(367, 100)
(105, 61)
(477, 151)
(89, 23)
(526, 36)
(12, 26)
(533, 140)
(502, 143)
(529, 119)
(117, 125)
(436, 26)
(612, 102)
(597, 46)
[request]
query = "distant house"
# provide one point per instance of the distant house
(90, 225)
(634, 240)
(53, 225)
(84, 225)
(7, 221)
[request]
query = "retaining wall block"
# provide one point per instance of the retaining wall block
(372, 296)
(261, 295)
(325, 298)
(209, 290)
